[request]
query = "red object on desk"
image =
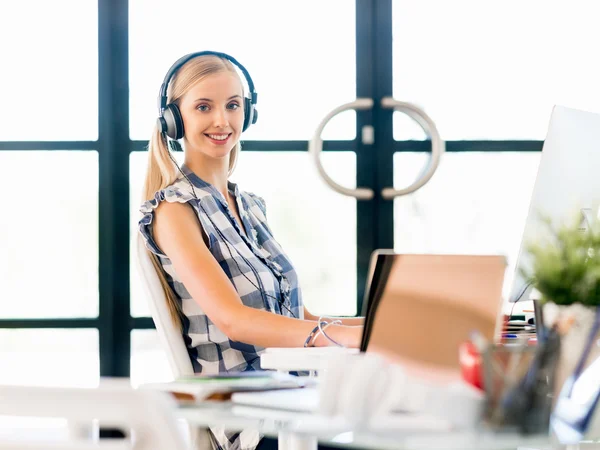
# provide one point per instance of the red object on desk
(471, 365)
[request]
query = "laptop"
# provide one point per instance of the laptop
(419, 308)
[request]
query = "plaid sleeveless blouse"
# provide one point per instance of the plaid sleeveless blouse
(254, 253)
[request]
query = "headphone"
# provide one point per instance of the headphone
(169, 120)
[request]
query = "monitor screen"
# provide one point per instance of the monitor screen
(567, 185)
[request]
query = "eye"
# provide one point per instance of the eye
(233, 105)
(202, 107)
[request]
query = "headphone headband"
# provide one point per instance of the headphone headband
(162, 96)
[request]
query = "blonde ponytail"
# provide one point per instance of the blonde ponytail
(161, 173)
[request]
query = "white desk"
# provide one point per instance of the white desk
(302, 431)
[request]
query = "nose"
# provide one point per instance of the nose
(220, 118)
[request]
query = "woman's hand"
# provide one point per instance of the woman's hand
(348, 336)
(354, 336)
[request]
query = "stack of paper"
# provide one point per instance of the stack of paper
(220, 386)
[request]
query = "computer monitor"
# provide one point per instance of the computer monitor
(567, 183)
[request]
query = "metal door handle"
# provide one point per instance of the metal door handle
(315, 147)
(437, 145)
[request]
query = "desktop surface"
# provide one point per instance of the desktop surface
(391, 434)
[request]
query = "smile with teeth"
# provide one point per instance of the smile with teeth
(218, 137)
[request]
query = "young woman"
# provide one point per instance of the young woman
(230, 285)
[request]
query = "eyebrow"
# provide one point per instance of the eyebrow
(209, 100)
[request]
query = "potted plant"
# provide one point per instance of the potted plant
(565, 271)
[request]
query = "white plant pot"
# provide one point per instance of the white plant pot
(573, 342)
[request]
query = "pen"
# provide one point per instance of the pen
(511, 336)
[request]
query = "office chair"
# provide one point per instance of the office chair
(170, 336)
(145, 418)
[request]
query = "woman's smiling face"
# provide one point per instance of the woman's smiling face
(213, 115)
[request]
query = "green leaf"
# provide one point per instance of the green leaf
(565, 265)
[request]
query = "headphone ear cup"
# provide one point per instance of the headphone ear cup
(173, 121)
(250, 114)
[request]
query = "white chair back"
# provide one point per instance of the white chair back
(170, 336)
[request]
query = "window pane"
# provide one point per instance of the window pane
(310, 58)
(49, 234)
(315, 226)
(487, 70)
(149, 363)
(137, 170)
(51, 74)
(475, 203)
(50, 357)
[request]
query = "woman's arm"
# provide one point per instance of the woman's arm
(349, 321)
(178, 234)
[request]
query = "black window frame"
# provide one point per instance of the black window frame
(375, 221)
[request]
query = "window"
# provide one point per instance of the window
(475, 203)
(494, 70)
(485, 75)
(302, 68)
(49, 357)
(50, 70)
(149, 363)
(315, 226)
(49, 234)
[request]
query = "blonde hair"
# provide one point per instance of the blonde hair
(161, 171)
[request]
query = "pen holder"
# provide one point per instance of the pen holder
(518, 384)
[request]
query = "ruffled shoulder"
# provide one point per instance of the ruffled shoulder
(178, 192)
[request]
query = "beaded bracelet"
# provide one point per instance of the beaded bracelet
(312, 333)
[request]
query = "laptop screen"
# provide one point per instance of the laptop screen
(379, 270)
(420, 308)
